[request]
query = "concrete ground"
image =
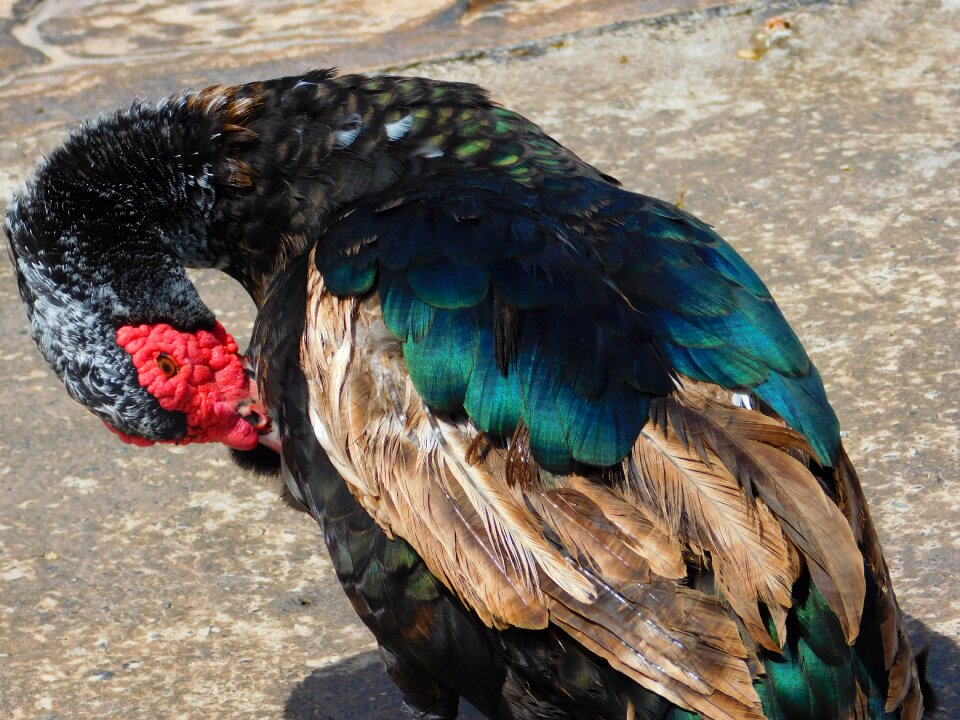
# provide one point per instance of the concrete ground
(159, 583)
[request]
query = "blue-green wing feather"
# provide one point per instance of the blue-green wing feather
(493, 399)
(569, 309)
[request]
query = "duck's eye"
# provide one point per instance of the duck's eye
(167, 365)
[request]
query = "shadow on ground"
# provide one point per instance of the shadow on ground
(943, 666)
(353, 689)
(358, 689)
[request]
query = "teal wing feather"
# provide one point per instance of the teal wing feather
(569, 309)
(527, 289)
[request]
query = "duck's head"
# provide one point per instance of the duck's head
(99, 238)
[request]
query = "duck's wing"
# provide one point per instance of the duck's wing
(581, 407)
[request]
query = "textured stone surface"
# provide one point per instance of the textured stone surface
(157, 583)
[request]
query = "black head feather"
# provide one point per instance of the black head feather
(97, 238)
(242, 179)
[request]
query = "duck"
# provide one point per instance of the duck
(567, 456)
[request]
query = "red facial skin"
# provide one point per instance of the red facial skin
(199, 374)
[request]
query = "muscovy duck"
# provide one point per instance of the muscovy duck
(569, 459)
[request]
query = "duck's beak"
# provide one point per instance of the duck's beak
(254, 412)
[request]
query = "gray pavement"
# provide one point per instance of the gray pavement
(160, 583)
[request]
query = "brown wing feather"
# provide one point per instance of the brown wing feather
(694, 494)
(603, 561)
(579, 526)
(752, 445)
(661, 550)
(904, 689)
(697, 676)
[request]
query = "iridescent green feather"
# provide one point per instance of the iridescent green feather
(493, 399)
(448, 285)
(441, 362)
(531, 290)
(575, 247)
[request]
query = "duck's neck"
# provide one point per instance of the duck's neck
(115, 213)
(99, 238)
(296, 152)
(244, 178)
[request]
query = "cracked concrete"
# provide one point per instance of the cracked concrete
(158, 583)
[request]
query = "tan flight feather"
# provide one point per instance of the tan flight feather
(904, 688)
(645, 621)
(696, 496)
(477, 534)
(581, 528)
(756, 448)
(681, 667)
(819, 530)
(661, 550)
(747, 441)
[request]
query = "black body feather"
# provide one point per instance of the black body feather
(573, 306)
